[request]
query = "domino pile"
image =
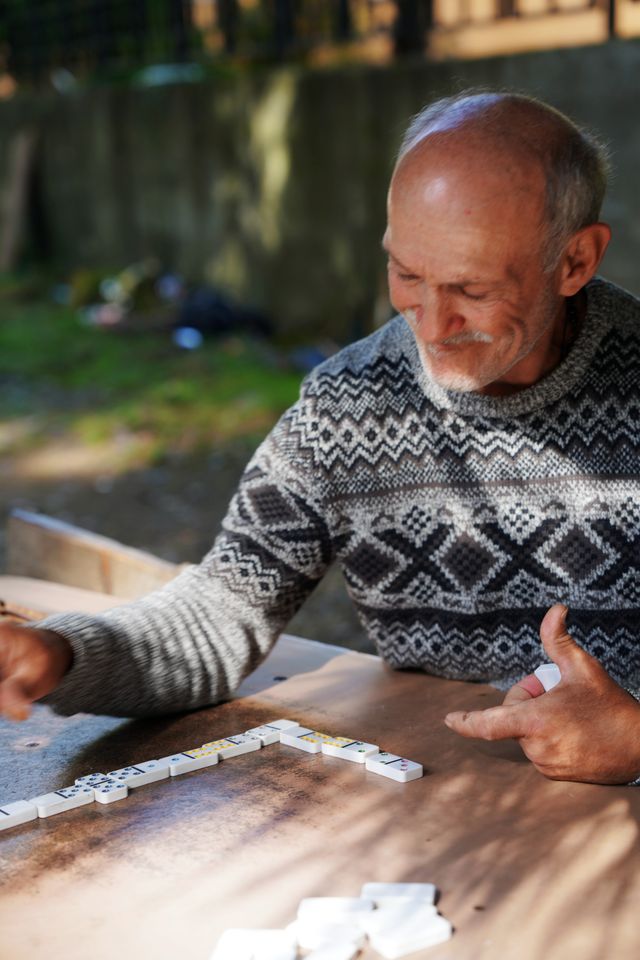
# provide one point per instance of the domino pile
(110, 787)
(396, 918)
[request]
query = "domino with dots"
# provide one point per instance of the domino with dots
(67, 798)
(347, 749)
(269, 733)
(394, 767)
(233, 746)
(110, 790)
(194, 759)
(90, 779)
(303, 738)
(140, 774)
(106, 789)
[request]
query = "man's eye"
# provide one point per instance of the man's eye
(474, 296)
(404, 277)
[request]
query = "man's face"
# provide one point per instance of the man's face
(465, 244)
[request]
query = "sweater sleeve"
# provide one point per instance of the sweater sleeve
(192, 642)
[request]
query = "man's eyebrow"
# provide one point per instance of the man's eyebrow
(395, 259)
(458, 282)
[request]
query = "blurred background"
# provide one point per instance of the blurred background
(192, 198)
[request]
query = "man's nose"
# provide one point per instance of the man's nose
(439, 316)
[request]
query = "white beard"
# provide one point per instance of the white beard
(491, 371)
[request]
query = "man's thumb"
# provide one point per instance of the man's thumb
(557, 641)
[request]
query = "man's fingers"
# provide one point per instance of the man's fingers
(496, 723)
(526, 689)
(556, 639)
(559, 644)
(14, 704)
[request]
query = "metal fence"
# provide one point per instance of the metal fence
(107, 38)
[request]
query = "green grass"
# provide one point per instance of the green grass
(66, 379)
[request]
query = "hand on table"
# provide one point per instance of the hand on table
(587, 728)
(32, 664)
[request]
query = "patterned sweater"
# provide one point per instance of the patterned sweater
(457, 518)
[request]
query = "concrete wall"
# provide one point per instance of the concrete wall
(272, 183)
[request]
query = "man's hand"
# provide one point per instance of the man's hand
(32, 664)
(586, 728)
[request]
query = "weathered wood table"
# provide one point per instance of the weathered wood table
(528, 869)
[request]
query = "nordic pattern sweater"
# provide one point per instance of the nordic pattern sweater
(457, 519)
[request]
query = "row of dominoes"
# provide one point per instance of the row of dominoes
(113, 786)
(397, 919)
(110, 787)
(376, 761)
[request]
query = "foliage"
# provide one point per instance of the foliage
(96, 386)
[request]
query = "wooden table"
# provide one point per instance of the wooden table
(528, 869)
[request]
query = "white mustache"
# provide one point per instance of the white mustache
(474, 336)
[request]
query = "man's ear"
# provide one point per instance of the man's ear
(581, 257)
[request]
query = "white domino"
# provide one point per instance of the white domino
(233, 746)
(234, 945)
(265, 734)
(319, 910)
(139, 774)
(388, 893)
(283, 724)
(109, 790)
(91, 779)
(194, 759)
(408, 928)
(313, 934)
(238, 944)
(13, 814)
(242, 743)
(355, 750)
(549, 675)
(274, 949)
(335, 951)
(302, 738)
(49, 804)
(269, 733)
(395, 767)
(391, 916)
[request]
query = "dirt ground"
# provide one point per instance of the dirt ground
(174, 511)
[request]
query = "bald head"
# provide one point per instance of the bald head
(522, 142)
(473, 176)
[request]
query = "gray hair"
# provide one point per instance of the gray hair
(574, 161)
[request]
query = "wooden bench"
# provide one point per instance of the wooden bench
(54, 566)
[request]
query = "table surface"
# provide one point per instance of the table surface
(527, 868)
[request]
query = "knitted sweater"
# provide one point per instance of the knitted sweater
(457, 518)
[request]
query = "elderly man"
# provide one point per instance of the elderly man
(471, 464)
